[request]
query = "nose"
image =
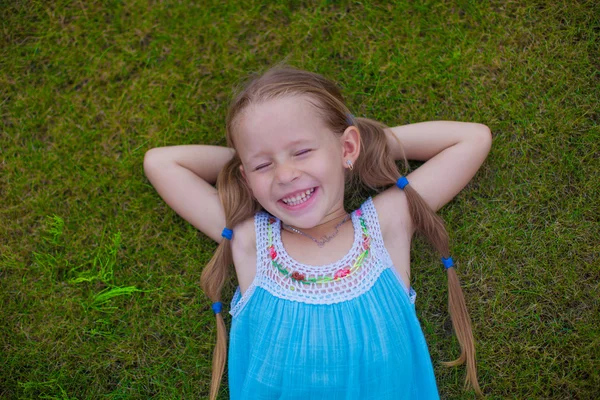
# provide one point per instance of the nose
(287, 172)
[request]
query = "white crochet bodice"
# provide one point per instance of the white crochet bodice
(346, 279)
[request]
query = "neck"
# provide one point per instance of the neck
(324, 228)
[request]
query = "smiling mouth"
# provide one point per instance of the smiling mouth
(299, 198)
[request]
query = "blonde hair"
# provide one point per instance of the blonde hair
(374, 168)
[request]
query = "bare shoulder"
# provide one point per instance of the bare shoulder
(396, 229)
(393, 212)
(244, 235)
(243, 249)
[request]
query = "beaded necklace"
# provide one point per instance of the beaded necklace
(339, 274)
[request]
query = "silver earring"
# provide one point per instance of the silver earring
(349, 163)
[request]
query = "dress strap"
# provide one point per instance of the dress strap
(372, 221)
(262, 221)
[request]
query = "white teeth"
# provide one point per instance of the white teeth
(300, 198)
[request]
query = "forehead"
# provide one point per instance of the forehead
(277, 123)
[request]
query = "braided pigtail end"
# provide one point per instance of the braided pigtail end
(461, 322)
(212, 280)
(431, 225)
(219, 357)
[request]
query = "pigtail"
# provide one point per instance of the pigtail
(238, 206)
(375, 168)
(431, 225)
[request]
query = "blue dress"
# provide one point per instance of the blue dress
(346, 330)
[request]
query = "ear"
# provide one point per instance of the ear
(243, 173)
(350, 141)
(245, 178)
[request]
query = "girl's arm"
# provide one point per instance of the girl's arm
(453, 152)
(183, 176)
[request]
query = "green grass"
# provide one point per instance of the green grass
(99, 279)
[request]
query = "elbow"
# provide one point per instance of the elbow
(484, 136)
(150, 160)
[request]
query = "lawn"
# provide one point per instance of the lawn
(99, 279)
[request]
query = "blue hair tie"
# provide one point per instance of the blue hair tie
(350, 119)
(402, 182)
(217, 307)
(448, 262)
(227, 233)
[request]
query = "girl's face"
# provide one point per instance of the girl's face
(291, 160)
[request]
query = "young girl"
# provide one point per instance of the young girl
(324, 307)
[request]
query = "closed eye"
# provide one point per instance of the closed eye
(303, 152)
(262, 166)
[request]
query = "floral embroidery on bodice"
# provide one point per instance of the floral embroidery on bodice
(343, 280)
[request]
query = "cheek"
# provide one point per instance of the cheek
(332, 167)
(258, 186)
